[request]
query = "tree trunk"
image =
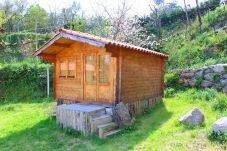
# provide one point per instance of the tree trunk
(186, 14)
(199, 17)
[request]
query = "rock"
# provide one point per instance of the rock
(121, 115)
(208, 70)
(194, 117)
(192, 82)
(208, 77)
(206, 84)
(225, 76)
(187, 74)
(218, 87)
(223, 82)
(181, 81)
(220, 125)
(198, 74)
(218, 68)
(225, 89)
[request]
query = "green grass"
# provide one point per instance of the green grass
(26, 126)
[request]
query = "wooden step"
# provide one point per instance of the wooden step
(103, 119)
(103, 128)
(98, 112)
(111, 133)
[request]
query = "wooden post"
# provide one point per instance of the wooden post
(48, 82)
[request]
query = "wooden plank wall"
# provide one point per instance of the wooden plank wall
(73, 88)
(142, 76)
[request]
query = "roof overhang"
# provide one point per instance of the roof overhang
(67, 36)
(64, 38)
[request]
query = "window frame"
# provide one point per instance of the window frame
(67, 60)
(98, 57)
(95, 69)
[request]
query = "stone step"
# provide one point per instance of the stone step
(103, 119)
(103, 128)
(111, 133)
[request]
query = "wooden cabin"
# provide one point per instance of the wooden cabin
(91, 69)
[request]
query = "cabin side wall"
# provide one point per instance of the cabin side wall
(71, 90)
(142, 80)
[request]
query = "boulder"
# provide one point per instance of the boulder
(121, 115)
(208, 70)
(192, 82)
(208, 77)
(218, 87)
(220, 125)
(223, 82)
(187, 74)
(225, 76)
(225, 89)
(218, 68)
(192, 118)
(206, 84)
(198, 74)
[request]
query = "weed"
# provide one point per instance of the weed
(218, 136)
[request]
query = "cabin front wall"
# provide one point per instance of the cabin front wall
(141, 80)
(77, 89)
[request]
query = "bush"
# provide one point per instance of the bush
(23, 80)
(220, 102)
(169, 92)
(171, 80)
(218, 136)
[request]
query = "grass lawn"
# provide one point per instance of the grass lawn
(26, 126)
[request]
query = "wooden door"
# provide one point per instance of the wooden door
(104, 78)
(98, 79)
(90, 77)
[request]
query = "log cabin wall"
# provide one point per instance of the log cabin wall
(142, 78)
(75, 89)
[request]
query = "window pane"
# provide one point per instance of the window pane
(90, 69)
(71, 66)
(104, 65)
(63, 68)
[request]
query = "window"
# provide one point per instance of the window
(67, 68)
(104, 67)
(71, 68)
(90, 69)
(63, 68)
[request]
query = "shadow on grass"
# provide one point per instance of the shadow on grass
(47, 135)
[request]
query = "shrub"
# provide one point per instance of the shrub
(220, 102)
(171, 79)
(169, 92)
(23, 80)
(218, 136)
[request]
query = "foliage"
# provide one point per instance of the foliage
(218, 136)
(22, 81)
(217, 100)
(205, 49)
(37, 17)
(15, 46)
(169, 92)
(171, 80)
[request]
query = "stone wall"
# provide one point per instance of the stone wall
(212, 76)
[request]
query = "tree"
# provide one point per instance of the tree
(186, 14)
(118, 17)
(71, 13)
(199, 17)
(36, 18)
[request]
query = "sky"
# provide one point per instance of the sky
(89, 7)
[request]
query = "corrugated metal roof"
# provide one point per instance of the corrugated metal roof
(104, 41)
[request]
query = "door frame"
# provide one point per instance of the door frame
(97, 83)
